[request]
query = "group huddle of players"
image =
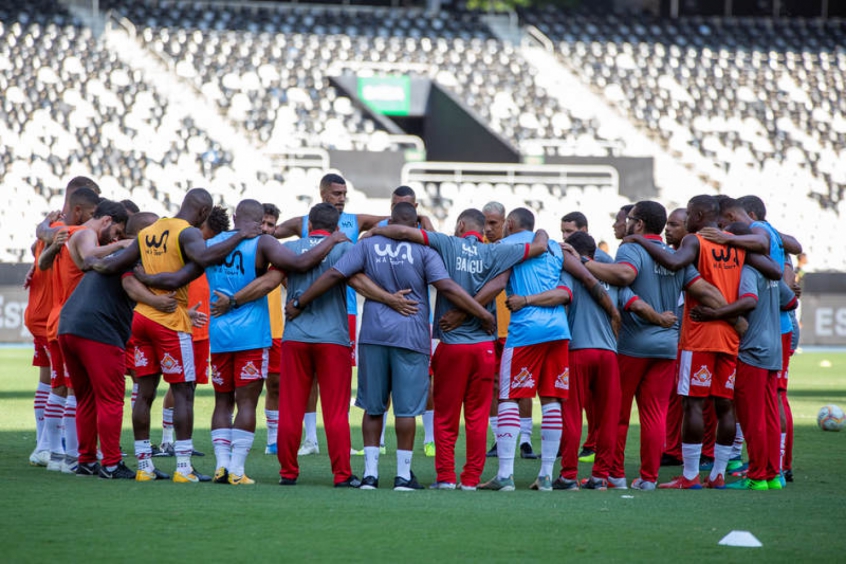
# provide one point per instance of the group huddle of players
(696, 329)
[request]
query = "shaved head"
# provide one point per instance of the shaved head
(139, 221)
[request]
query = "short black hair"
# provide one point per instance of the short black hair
(754, 204)
(524, 217)
(324, 216)
(576, 217)
(474, 217)
(727, 203)
(404, 214)
(271, 210)
(131, 207)
(83, 182)
(330, 179)
(139, 221)
(113, 209)
(218, 220)
(84, 197)
(404, 191)
(583, 243)
(626, 208)
(653, 215)
(706, 204)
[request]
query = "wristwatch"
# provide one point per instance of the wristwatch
(296, 303)
(233, 303)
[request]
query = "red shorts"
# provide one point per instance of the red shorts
(237, 369)
(41, 353)
(542, 369)
(353, 349)
(781, 379)
(129, 355)
(59, 375)
(159, 350)
(274, 364)
(704, 374)
(201, 360)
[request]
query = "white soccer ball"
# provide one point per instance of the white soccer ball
(831, 418)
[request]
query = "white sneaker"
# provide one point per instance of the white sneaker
(442, 486)
(39, 458)
(617, 483)
(643, 485)
(467, 488)
(308, 447)
(69, 465)
(55, 462)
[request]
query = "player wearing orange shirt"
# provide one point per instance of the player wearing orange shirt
(277, 327)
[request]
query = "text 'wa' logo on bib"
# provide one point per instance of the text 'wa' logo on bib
(387, 252)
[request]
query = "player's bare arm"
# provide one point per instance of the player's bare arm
(756, 242)
(453, 318)
(456, 294)
(399, 233)
(139, 293)
(256, 289)
(549, 298)
(48, 255)
(84, 244)
(117, 262)
(539, 244)
(372, 291)
(706, 293)
(597, 291)
(289, 228)
(195, 250)
(687, 253)
(791, 244)
(43, 230)
(319, 287)
(645, 311)
(169, 280)
(729, 311)
(765, 265)
(366, 222)
(283, 258)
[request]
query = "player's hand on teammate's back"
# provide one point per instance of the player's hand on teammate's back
(251, 229)
(220, 305)
(198, 318)
(339, 237)
(165, 303)
(714, 235)
(141, 274)
(639, 239)
(741, 325)
(488, 323)
(291, 312)
(668, 319)
(702, 313)
(796, 287)
(515, 303)
(61, 236)
(403, 305)
(452, 319)
(568, 249)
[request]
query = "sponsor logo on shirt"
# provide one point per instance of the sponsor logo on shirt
(229, 262)
(562, 381)
(170, 365)
(399, 255)
(524, 379)
(701, 377)
(157, 243)
(469, 249)
(250, 372)
(140, 358)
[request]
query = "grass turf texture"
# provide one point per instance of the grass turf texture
(48, 516)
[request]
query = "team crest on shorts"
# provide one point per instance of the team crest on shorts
(250, 372)
(730, 381)
(170, 365)
(215, 376)
(701, 377)
(523, 380)
(140, 358)
(562, 381)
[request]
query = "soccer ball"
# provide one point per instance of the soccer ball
(831, 418)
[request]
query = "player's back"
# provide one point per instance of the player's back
(761, 345)
(589, 323)
(65, 276)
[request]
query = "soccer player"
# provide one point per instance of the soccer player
(594, 370)
(646, 353)
(277, 327)
(620, 225)
(94, 326)
(394, 349)
(758, 365)
(163, 341)
(66, 259)
(463, 363)
(494, 232)
(707, 355)
(535, 358)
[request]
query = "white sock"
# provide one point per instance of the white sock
(222, 441)
(507, 430)
(272, 418)
(737, 446)
(183, 451)
(551, 425)
(371, 461)
(42, 392)
(690, 455)
(53, 413)
(311, 426)
(722, 453)
(134, 396)
(492, 420)
(781, 455)
(167, 425)
(69, 423)
(525, 430)
(242, 442)
(404, 463)
(384, 426)
(429, 426)
(144, 455)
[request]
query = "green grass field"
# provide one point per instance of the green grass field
(48, 517)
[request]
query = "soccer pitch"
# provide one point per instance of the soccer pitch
(47, 516)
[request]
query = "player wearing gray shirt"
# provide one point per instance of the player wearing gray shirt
(464, 362)
(394, 350)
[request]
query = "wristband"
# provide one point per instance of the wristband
(585, 259)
